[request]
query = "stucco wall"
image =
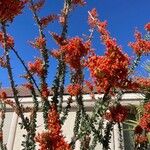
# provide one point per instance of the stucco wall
(13, 133)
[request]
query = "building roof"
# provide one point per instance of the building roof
(24, 92)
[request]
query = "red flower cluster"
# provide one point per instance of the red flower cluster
(89, 85)
(74, 51)
(3, 98)
(117, 113)
(147, 107)
(145, 122)
(138, 129)
(36, 67)
(46, 20)
(10, 8)
(74, 89)
(39, 43)
(45, 92)
(9, 41)
(141, 139)
(37, 5)
(78, 2)
(107, 71)
(140, 46)
(112, 68)
(93, 18)
(28, 86)
(59, 39)
(53, 138)
(3, 95)
(143, 82)
(147, 27)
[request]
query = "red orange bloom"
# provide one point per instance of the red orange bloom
(117, 113)
(145, 122)
(147, 26)
(93, 18)
(147, 107)
(138, 129)
(45, 92)
(28, 86)
(74, 89)
(46, 20)
(9, 41)
(112, 68)
(53, 138)
(3, 95)
(141, 139)
(37, 5)
(140, 46)
(36, 67)
(74, 51)
(39, 43)
(78, 2)
(59, 40)
(10, 8)
(143, 82)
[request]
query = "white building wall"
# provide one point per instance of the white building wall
(12, 129)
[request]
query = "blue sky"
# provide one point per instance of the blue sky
(123, 17)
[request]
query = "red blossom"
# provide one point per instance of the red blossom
(147, 107)
(46, 20)
(28, 86)
(3, 95)
(117, 113)
(45, 92)
(89, 85)
(147, 26)
(93, 18)
(3, 98)
(140, 46)
(112, 68)
(36, 67)
(78, 2)
(141, 139)
(56, 53)
(138, 129)
(74, 51)
(142, 82)
(9, 41)
(74, 89)
(53, 138)
(59, 39)
(145, 122)
(39, 43)
(10, 8)
(38, 5)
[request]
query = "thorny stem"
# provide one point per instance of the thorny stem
(13, 87)
(44, 53)
(61, 69)
(120, 137)
(76, 129)
(66, 110)
(27, 70)
(107, 136)
(33, 93)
